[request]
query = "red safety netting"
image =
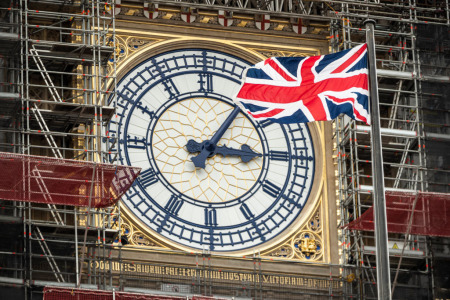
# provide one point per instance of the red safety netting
(62, 181)
(56, 293)
(431, 214)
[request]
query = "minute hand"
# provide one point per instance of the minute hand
(246, 153)
(210, 146)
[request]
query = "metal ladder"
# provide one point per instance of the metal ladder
(43, 70)
(37, 173)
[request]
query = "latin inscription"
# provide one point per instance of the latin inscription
(293, 281)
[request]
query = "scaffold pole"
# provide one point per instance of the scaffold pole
(381, 235)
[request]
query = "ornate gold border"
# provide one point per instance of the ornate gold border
(315, 209)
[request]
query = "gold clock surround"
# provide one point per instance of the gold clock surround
(313, 225)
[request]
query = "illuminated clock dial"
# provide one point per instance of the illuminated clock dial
(231, 204)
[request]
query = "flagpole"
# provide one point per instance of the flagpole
(379, 201)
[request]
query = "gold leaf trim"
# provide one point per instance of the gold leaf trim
(306, 244)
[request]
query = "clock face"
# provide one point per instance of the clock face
(230, 205)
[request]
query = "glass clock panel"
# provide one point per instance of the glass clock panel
(232, 203)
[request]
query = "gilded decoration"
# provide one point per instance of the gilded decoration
(126, 45)
(208, 18)
(130, 234)
(129, 11)
(281, 53)
(306, 244)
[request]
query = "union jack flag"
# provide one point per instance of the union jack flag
(306, 89)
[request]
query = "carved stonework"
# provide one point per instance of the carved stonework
(121, 49)
(314, 223)
(170, 16)
(128, 11)
(136, 43)
(282, 53)
(140, 239)
(280, 27)
(307, 242)
(283, 252)
(130, 234)
(211, 19)
(126, 45)
(245, 23)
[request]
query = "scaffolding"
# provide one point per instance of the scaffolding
(57, 77)
(412, 47)
(57, 71)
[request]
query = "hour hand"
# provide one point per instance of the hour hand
(193, 147)
(206, 149)
(246, 153)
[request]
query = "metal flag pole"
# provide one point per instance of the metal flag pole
(379, 200)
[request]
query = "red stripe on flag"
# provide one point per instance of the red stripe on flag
(351, 60)
(307, 75)
(277, 68)
(316, 108)
(269, 114)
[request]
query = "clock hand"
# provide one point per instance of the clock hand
(193, 147)
(209, 146)
(246, 153)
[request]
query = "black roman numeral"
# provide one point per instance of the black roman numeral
(278, 155)
(145, 110)
(148, 177)
(246, 211)
(124, 97)
(271, 189)
(136, 143)
(206, 82)
(174, 205)
(210, 217)
(170, 88)
(284, 156)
